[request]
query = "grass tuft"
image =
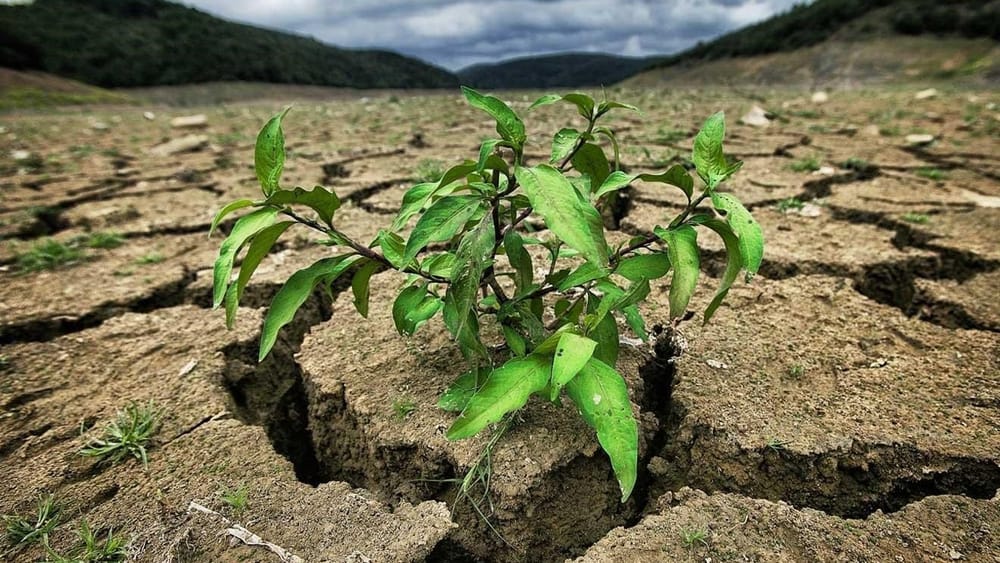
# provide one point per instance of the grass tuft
(236, 498)
(48, 254)
(126, 436)
(429, 170)
(92, 549)
(22, 531)
(693, 537)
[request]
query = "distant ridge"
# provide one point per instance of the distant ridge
(130, 43)
(554, 71)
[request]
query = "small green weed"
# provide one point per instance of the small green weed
(103, 240)
(935, 174)
(92, 549)
(22, 531)
(236, 498)
(796, 371)
(775, 444)
(429, 170)
(403, 408)
(789, 204)
(126, 436)
(150, 258)
(48, 254)
(808, 164)
(918, 218)
(857, 164)
(694, 536)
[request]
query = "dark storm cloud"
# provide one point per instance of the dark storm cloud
(454, 34)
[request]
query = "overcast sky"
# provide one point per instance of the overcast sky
(455, 33)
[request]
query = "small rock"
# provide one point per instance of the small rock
(20, 155)
(183, 144)
(926, 94)
(716, 364)
(955, 555)
(826, 171)
(149, 115)
(810, 210)
(871, 131)
(756, 117)
(820, 97)
(917, 140)
(879, 363)
(188, 368)
(982, 200)
(99, 126)
(189, 121)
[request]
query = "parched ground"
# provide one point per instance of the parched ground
(844, 406)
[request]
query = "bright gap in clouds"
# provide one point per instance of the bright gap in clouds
(454, 34)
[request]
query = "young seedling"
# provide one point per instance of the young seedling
(777, 445)
(23, 531)
(126, 436)
(468, 257)
(48, 255)
(918, 218)
(236, 498)
(808, 164)
(103, 240)
(402, 408)
(796, 371)
(694, 536)
(150, 258)
(789, 204)
(92, 549)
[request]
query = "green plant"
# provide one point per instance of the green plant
(22, 531)
(935, 174)
(150, 258)
(402, 408)
(776, 445)
(857, 164)
(48, 254)
(694, 536)
(429, 170)
(92, 549)
(807, 164)
(126, 436)
(797, 371)
(236, 498)
(789, 204)
(918, 218)
(477, 211)
(103, 240)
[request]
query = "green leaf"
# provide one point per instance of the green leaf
(751, 236)
(229, 208)
(605, 107)
(412, 307)
(572, 353)
(545, 100)
(260, 245)
(246, 227)
(505, 390)
(707, 155)
(324, 202)
(591, 162)
(602, 397)
(519, 259)
(644, 266)
(414, 200)
(440, 222)
(457, 396)
(676, 176)
(634, 319)
(514, 340)
(439, 264)
(574, 220)
(585, 273)
(360, 286)
(486, 151)
(734, 263)
(509, 125)
(473, 256)
(682, 246)
(584, 104)
(456, 173)
(606, 335)
(607, 132)
(614, 182)
(563, 143)
(294, 293)
(392, 246)
(269, 154)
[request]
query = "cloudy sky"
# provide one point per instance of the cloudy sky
(457, 33)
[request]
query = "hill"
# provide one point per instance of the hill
(554, 71)
(32, 89)
(129, 43)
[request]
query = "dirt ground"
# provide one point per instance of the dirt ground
(843, 406)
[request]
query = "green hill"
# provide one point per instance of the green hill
(128, 43)
(553, 71)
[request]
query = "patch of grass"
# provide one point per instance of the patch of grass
(818, 128)
(796, 371)
(92, 549)
(126, 436)
(28, 98)
(22, 531)
(48, 254)
(808, 164)
(103, 240)
(775, 444)
(935, 174)
(235, 498)
(805, 113)
(694, 536)
(402, 408)
(789, 204)
(429, 170)
(857, 164)
(918, 218)
(150, 258)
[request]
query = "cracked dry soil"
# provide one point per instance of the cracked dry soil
(843, 406)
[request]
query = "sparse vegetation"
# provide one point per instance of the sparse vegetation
(789, 204)
(91, 548)
(48, 255)
(777, 445)
(236, 498)
(428, 170)
(403, 408)
(796, 371)
(21, 530)
(128, 435)
(918, 218)
(692, 537)
(807, 164)
(104, 240)
(935, 174)
(150, 258)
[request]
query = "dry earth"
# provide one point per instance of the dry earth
(844, 406)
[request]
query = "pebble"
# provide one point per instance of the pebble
(926, 94)
(820, 97)
(871, 131)
(917, 140)
(189, 121)
(149, 115)
(826, 171)
(182, 144)
(99, 126)
(810, 210)
(20, 155)
(716, 364)
(756, 117)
